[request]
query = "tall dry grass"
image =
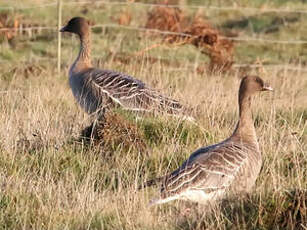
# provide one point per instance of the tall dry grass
(49, 180)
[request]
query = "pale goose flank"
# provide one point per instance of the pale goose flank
(231, 165)
(95, 89)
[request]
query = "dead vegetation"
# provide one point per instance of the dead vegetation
(8, 26)
(114, 130)
(128, 58)
(124, 18)
(195, 31)
(32, 144)
(14, 25)
(27, 70)
(165, 19)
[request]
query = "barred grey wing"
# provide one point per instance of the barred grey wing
(211, 172)
(131, 93)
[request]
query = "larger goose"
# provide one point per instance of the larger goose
(231, 165)
(96, 88)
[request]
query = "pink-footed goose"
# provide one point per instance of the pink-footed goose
(95, 89)
(231, 165)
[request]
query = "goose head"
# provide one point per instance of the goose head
(252, 84)
(77, 25)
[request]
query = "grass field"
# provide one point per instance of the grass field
(49, 180)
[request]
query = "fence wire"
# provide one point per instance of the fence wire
(206, 7)
(141, 29)
(190, 66)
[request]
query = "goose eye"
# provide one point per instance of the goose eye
(258, 80)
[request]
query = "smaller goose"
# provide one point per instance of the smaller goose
(95, 89)
(231, 165)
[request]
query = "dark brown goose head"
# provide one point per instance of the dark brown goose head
(80, 26)
(77, 25)
(245, 129)
(252, 84)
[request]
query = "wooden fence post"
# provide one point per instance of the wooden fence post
(59, 36)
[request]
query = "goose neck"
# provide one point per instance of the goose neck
(245, 129)
(83, 60)
(85, 49)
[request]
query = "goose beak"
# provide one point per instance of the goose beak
(63, 29)
(267, 88)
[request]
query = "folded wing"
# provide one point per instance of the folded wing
(130, 93)
(211, 172)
